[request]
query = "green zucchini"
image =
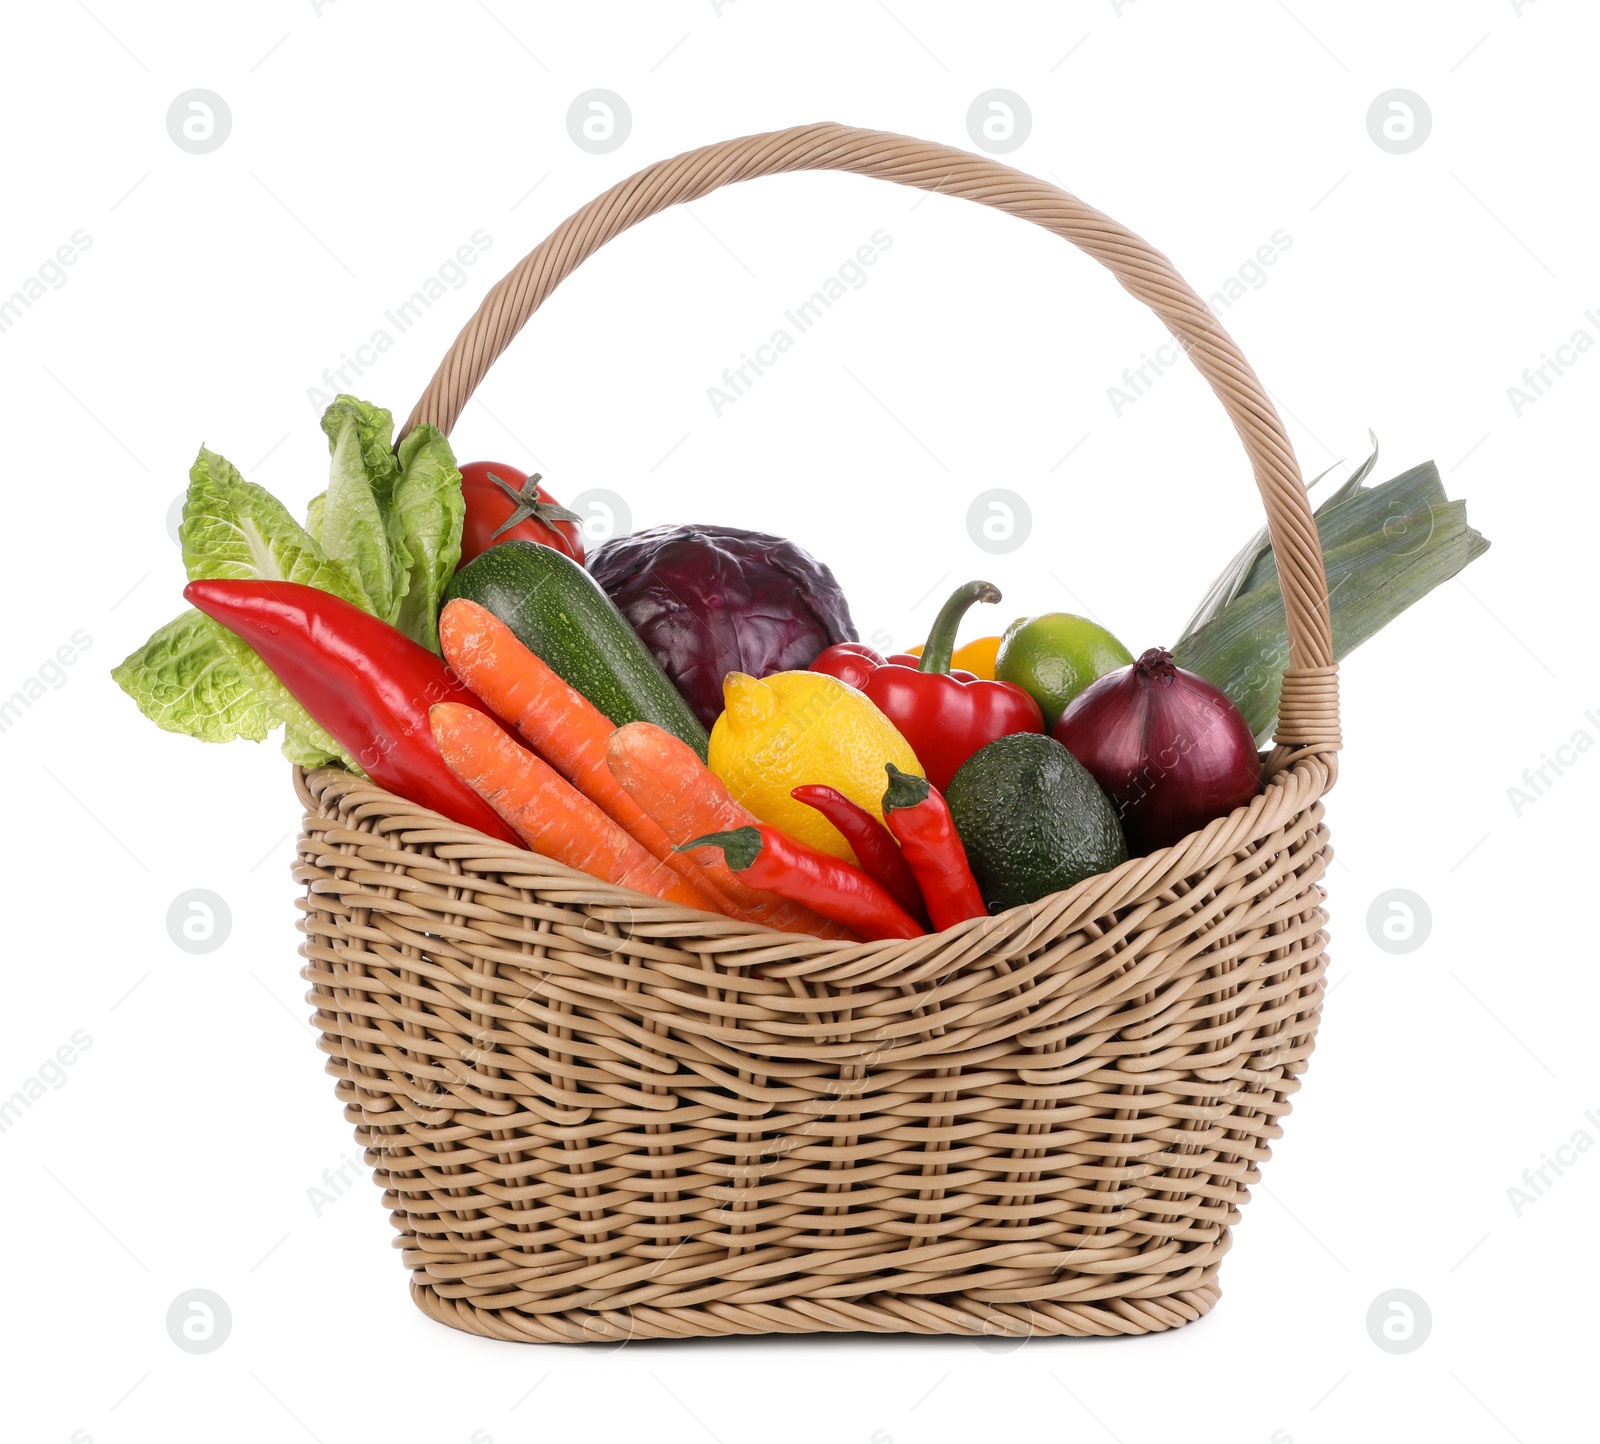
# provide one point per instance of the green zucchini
(559, 613)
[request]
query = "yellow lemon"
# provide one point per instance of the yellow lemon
(796, 728)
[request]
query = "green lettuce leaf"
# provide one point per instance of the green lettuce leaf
(375, 435)
(356, 527)
(233, 528)
(429, 510)
(192, 676)
(308, 745)
(195, 677)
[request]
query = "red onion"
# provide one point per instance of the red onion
(1169, 749)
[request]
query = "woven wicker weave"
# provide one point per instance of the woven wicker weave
(600, 1117)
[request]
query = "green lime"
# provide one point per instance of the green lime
(1054, 656)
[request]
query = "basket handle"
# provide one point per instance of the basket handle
(1308, 714)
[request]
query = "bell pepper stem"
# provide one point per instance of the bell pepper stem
(942, 637)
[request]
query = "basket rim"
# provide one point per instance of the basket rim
(1292, 788)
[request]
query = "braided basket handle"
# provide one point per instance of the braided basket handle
(1309, 711)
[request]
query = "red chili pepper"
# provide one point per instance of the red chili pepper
(917, 815)
(769, 859)
(946, 716)
(874, 846)
(364, 683)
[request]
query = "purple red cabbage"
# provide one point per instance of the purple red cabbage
(709, 600)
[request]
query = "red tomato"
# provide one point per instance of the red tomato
(504, 504)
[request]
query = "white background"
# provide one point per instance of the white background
(367, 143)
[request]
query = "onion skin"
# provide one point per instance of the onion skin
(1170, 750)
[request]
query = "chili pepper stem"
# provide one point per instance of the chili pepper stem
(904, 790)
(740, 847)
(942, 636)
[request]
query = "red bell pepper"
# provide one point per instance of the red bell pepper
(945, 715)
(854, 662)
(364, 683)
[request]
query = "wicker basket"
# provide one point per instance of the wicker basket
(596, 1116)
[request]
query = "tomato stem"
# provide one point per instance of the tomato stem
(528, 503)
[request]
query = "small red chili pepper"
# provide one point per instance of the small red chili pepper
(874, 846)
(769, 859)
(945, 715)
(917, 815)
(364, 683)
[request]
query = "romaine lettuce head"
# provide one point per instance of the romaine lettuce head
(385, 536)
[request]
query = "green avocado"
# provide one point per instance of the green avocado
(1032, 819)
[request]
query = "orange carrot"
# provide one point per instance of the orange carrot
(547, 812)
(562, 725)
(664, 776)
